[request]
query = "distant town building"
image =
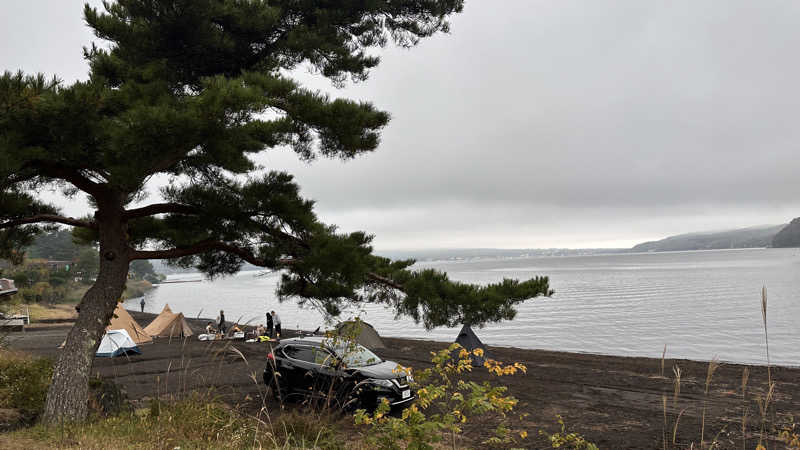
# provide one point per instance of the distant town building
(53, 264)
(7, 287)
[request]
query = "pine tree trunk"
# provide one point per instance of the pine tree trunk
(67, 397)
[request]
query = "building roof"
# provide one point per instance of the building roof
(7, 287)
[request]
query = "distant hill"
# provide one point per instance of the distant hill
(752, 237)
(789, 236)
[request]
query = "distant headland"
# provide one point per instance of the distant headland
(784, 235)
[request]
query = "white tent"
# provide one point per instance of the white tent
(116, 342)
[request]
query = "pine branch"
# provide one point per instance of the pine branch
(51, 218)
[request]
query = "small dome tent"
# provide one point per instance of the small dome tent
(115, 343)
(364, 332)
(467, 339)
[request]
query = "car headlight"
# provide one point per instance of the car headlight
(410, 378)
(382, 383)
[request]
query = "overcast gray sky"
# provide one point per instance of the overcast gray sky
(545, 123)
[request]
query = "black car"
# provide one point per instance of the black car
(350, 376)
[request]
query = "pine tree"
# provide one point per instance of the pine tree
(192, 89)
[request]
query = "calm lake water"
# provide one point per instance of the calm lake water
(700, 304)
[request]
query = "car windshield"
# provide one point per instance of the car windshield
(356, 355)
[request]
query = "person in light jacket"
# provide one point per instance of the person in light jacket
(277, 320)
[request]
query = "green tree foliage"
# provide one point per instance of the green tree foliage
(191, 89)
(38, 282)
(87, 264)
(55, 245)
(142, 269)
(23, 383)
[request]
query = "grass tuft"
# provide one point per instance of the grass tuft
(194, 422)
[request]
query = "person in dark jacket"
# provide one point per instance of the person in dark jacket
(269, 325)
(221, 326)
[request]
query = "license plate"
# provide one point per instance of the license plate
(406, 393)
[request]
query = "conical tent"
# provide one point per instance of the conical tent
(366, 334)
(116, 342)
(169, 324)
(158, 324)
(467, 339)
(121, 320)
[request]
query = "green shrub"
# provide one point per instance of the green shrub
(23, 383)
(445, 401)
(567, 439)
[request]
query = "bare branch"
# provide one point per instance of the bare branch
(51, 218)
(197, 248)
(208, 245)
(385, 281)
(70, 175)
(159, 208)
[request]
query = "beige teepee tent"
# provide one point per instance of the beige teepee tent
(169, 324)
(121, 320)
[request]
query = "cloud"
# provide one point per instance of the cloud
(554, 123)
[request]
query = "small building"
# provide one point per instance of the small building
(7, 287)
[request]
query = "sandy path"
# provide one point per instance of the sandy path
(615, 402)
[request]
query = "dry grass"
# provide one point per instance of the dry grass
(745, 409)
(766, 336)
(40, 311)
(194, 422)
(676, 390)
(712, 367)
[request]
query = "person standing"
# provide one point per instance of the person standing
(277, 321)
(269, 325)
(141, 303)
(221, 326)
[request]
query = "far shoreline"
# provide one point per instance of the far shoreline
(199, 322)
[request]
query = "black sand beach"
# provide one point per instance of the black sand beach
(615, 402)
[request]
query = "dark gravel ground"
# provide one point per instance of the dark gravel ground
(616, 402)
